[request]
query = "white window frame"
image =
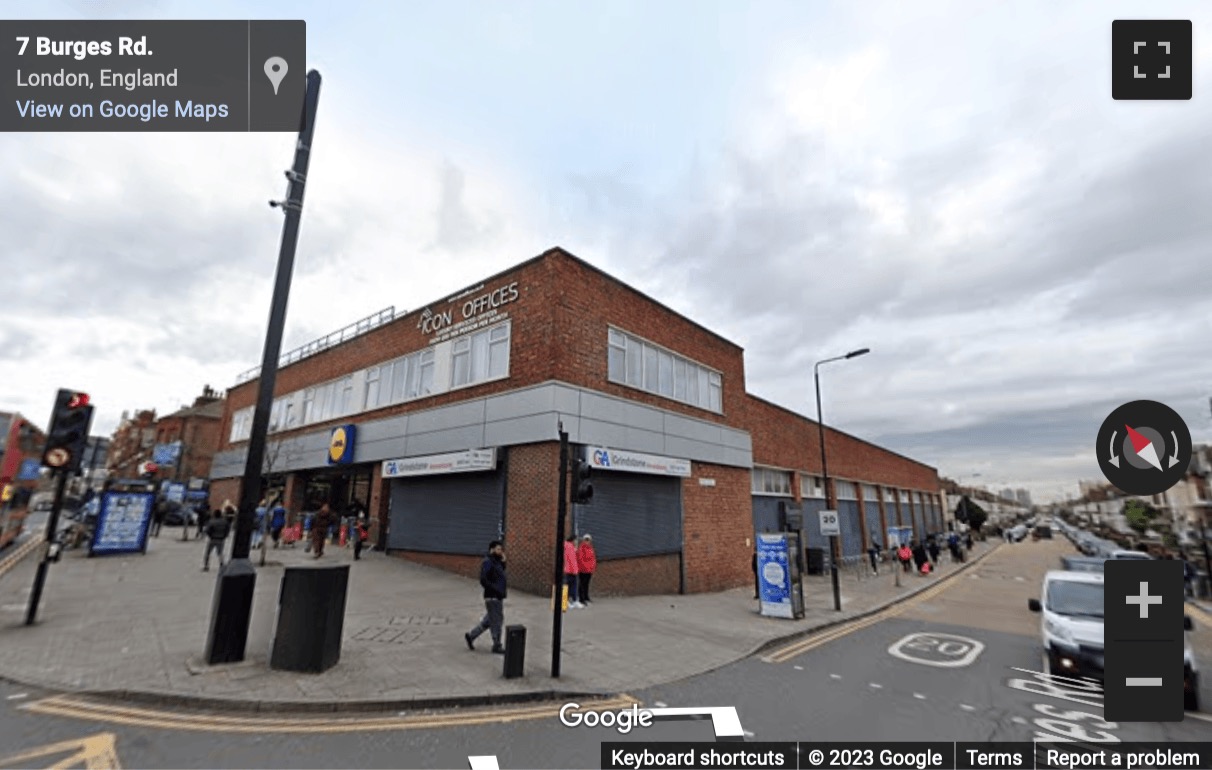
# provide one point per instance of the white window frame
(662, 372)
(811, 487)
(770, 482)
(845, 490)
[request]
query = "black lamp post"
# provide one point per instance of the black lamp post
(830, 497)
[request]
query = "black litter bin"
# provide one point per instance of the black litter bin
(311, 617)
(515, 651)
(817, 563)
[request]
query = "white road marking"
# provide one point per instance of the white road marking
(660, 704)
(799, 668)
(1018, 720)
(484, 763)
(956, 651)
(875, 686)
(748, 734)
(966, 707)
(919, 696)
(1020, 579)
(18, 696)
(835, 676)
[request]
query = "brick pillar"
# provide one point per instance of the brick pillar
(379, 509)
(880, 494)
(862, 511)
(292, 496)
(530, 516)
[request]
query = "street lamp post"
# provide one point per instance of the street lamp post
(830, 497)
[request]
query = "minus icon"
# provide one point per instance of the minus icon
(1143, 681)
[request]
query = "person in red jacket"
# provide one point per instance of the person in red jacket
(587, 562)
(571, 571)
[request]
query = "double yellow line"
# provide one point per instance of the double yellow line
(795, 649)
(23, 550)
(77, 707)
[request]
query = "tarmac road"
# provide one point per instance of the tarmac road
(959, 662)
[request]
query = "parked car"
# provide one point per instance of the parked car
(1122, 554)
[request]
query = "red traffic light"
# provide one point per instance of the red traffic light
(77, 400)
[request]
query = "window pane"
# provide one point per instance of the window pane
(650, 369)
(713, 402)
(347, 396)
(692, 384)
(479, 357)
(462, 367)
(498, 358)
(615, 337)
(616, 361)
(414, 377)
(427, 375)
(372, 393)
(666, 383)
(635, 363)
(399, 380)
(704, 398)
(679, 379)
(500, 333)
(309, 406)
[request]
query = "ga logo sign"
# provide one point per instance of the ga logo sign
(601, 458)
(341, 445)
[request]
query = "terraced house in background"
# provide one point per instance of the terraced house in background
(443, 423)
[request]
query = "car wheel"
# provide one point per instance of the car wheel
(1191, 694)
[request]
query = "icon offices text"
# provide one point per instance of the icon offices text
(1151, 59)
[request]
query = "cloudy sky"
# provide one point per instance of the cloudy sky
(949, 184)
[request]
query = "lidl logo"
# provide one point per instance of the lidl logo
(341, 445)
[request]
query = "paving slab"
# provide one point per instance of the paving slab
(135, 626)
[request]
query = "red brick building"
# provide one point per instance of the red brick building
(131, 444)
(196, 427)
(447, 421)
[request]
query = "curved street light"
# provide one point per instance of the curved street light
(830, 501)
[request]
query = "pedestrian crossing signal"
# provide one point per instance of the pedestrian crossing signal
(68, 434)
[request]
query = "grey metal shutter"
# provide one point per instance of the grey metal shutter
(812, 523)
(459, 513)
(766, 513)
(919, 520)
(848, 519)
(632, 514)
(874, 530)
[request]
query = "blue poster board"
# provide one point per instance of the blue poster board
(122, 523)
(30, 470)
(774, 576)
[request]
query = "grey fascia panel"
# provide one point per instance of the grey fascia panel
(737, 439)
(450, 440)
(601, 433)
(696, 430)
(567, 399)
(526, 429)
(446, 417)
(640, 440)
(387, 428)
(523, 403)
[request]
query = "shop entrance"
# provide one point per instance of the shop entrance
(338, 489)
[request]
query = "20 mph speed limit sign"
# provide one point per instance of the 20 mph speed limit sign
(829, 524)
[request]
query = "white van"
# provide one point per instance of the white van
(1072, 629)
(1130, 555)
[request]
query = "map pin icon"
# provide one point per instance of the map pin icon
(275, 70)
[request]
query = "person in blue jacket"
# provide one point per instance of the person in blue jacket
(492, 578)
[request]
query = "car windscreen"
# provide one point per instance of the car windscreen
(1066, 597)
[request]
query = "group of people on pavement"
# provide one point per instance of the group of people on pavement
(924, 556)
(580, 562)
(270, 519)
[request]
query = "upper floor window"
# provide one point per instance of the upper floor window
(771, 481)
(640, 364)
(845, 490)
(811, 486)
(480, 356)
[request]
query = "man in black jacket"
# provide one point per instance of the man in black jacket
(492, 578)
(217, 530)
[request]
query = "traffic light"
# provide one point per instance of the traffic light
(68, 435)
(582, 490)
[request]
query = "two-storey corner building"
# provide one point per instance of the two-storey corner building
(444, 422)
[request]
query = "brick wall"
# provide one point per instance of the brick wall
(530, 516)
(225, 489)
(638, 576)
(718, 536)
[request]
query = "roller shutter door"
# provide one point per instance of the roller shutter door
(874, 530)
(766, 517)
(459, 513)
(632, 514)
(848, 521)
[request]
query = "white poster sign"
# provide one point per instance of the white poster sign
(634, 462)
(452, 462)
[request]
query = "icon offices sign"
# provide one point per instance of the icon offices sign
(471, 309)
(1151, 59)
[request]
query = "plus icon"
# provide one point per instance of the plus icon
(1151, 59)
(1144, 600)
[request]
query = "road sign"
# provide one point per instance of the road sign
(829, 524)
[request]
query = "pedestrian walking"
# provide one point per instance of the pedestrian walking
(259, 519)
(571, 576)
(873, 554)
(361, 535)
(277, 522)
(158, 514)
(492, 578)
(320, 529)
(933, 549)
(920, 557)
(587, 563)
(203, 517)
(904, 556)
(309, 521)
(217, 529)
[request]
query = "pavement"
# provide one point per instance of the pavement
(134, 627)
